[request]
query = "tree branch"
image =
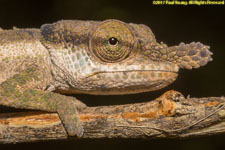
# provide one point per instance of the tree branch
(169, 116)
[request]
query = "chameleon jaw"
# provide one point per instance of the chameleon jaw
(120, 83)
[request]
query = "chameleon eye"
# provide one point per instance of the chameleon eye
(112, 41)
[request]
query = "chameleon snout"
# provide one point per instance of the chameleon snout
(188, 56)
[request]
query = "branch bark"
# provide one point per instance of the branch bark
(169, 116)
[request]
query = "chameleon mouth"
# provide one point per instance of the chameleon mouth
(143, 71)
(132, 71)
(128, 82)
(153, 67)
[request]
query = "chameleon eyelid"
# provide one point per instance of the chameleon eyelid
(120, 34)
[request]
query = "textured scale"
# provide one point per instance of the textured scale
(99, 42)
(92, 57)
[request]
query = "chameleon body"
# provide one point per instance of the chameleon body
(38, 66)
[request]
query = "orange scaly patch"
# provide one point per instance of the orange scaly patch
(211, 103)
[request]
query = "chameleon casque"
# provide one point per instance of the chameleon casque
(38, 66)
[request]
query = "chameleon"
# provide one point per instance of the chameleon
(38, 67)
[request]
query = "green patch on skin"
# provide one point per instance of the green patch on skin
(30, 98)
(33, 92)
(163, 51)
(20, 79)
(26, 95)
(46, 96)
(73, 50)
(10, 85)
(78, 56)
(12, 89)
(17, 94)
(139, 46)
(164, 57)
(25, 98)
(31, 69)
(6, 59)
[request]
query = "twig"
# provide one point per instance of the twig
(161, 118)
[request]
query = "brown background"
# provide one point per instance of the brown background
(170, 24)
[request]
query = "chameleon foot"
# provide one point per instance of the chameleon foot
(70, 118)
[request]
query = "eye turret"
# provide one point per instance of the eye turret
(112, 41)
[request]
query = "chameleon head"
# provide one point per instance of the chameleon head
(113, 57)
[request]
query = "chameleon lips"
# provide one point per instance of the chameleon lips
(139, 66)
(131, 82)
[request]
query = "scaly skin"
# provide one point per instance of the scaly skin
(101, 58)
